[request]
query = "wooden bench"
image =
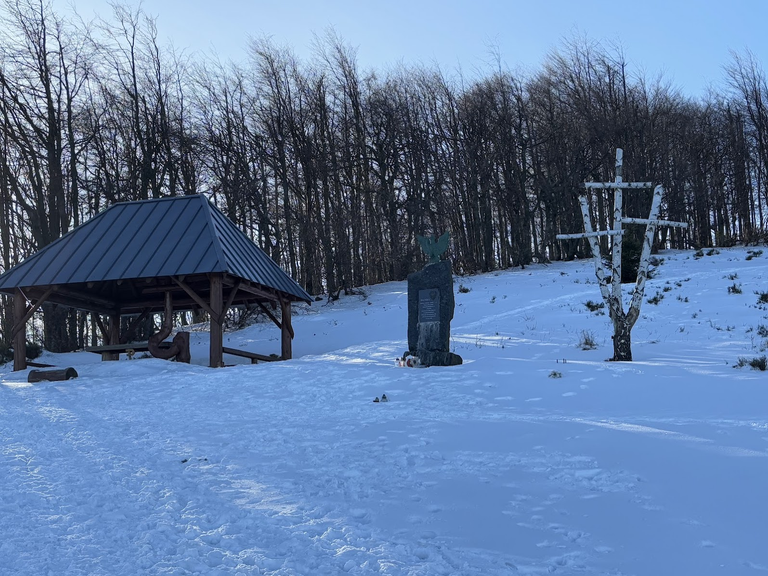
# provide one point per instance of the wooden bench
(130, 348)
(255, 358)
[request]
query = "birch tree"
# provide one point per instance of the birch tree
(610, 284)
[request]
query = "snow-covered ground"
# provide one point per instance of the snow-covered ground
(498, 466)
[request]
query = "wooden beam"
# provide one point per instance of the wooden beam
(79, 304)
(138, 306)
(656, 222)
(622, 185)
(252, 355)
(131, 330)
(199, 301)
(86, 297)
(31, 310)
(158, 289)
(590, 234)
(286, 330)
(247, 286)
(20, 337)
(231, 299)
(269, 314)
(618, 212)
(102, 328)
(217, 335)
(133, 290)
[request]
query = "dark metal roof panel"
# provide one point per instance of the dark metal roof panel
(66, 253)
(151, 238)
(246, 260)
(97, 245)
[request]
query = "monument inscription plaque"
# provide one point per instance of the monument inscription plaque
(429, 305)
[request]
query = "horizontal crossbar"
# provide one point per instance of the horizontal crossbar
(618, 185)
(590, 234)
(657, 222)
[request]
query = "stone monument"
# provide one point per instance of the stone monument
(430, 307)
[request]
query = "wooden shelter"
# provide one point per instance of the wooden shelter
(135, 257)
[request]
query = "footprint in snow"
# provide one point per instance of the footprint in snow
(361, 515)
(691, 522)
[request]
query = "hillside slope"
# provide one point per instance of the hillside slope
(534, 457)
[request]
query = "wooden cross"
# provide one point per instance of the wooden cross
(613, 297)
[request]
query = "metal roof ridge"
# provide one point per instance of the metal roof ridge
(216, 241)
(161, 199)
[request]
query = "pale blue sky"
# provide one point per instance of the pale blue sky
(687, 41)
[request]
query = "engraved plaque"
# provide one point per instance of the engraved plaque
(429, 305)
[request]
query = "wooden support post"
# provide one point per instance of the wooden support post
(217, 307)
(20, 335)
(286, 329)
(114, 337)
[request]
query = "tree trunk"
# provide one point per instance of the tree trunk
(622, 340)
(56, 335)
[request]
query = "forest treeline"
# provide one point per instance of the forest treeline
(334, 170)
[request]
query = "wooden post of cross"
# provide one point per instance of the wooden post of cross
(610, 285)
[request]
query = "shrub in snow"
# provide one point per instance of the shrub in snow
(6, 351)
(594, 306)
(587, 340)
(757, 363)
(656, 299)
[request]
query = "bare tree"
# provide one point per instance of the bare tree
(43, 68)
(610, 284)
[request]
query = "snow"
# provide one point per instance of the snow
(494, 467)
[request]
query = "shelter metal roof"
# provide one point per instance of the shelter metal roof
(172, 236)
